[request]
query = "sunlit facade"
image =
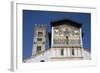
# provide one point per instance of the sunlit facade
(66, 40)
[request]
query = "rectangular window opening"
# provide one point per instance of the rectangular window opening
(38, 48)
(73, 52)
(62, 51)
(40, 34)
(66, 39)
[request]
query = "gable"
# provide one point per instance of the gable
(65, 22)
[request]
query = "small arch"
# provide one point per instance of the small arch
(42, 60)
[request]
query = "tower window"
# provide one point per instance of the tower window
(40, 34)
(73, 52)
(38, 48)
(62, 51)
(39, 39)
(34, 42)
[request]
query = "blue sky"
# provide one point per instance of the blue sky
(31, 17)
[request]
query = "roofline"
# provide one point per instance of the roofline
(56, 22)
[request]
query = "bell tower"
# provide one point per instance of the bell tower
(39, 39)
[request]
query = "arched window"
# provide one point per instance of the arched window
(42, 61)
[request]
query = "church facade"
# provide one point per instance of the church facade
(66, 42)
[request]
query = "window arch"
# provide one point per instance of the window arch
(42, 60)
